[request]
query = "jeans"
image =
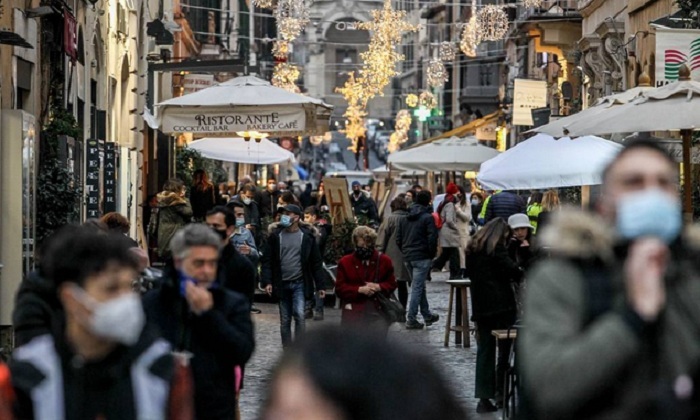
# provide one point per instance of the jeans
(291, 305)
(420, 270)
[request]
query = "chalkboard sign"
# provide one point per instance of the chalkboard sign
(92, 179)
(110, 178)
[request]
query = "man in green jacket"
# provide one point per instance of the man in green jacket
(612, 320)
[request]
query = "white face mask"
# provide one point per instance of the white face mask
(246, 200)
(120, 320)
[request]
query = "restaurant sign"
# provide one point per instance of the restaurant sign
(224, 121)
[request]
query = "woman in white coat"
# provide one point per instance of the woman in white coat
(463, 211)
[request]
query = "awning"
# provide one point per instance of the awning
(463, 131)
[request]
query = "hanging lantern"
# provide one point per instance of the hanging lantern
(428, 100)
(436, 73)
(265, 4)
(412, 100)
(492, 23)
(470, 37)
(446, 51)
(532, 3)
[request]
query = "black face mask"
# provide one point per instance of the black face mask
(356, 192)
(222, 233)
(364, 253)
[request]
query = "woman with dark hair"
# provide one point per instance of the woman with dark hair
(119, 224)
(368, 379)
(386, 242)
(477, 201)
(203, 195)
(359, 277)
(492, 273)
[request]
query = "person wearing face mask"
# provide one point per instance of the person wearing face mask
(238, 261)
(360, 276)
(246, 196)
(292, 269)
(203, 321)
(102, 360)
(613, 321)
(362, 205)
(268, 199)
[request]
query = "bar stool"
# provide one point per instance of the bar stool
(462, 312)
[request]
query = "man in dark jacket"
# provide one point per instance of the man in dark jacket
(252, 213)
(101, 360)
(312, 217)
(203, 320)
(363, 205)
(268, 199)
(417, 238)
(292, 269)
(504, 204)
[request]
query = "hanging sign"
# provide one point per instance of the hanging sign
(92, 179)
(675, 47)
(529, 95)
(224, 121)
(109, 181)
(196, 82)
(70, 35)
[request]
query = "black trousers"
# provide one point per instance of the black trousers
(450, 254)
(403, 292)
(490, 373)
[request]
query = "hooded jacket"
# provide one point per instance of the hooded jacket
(311, 261)
(584, 352)
(218, 339)
(36, 308)
(417, 235)
(174, 212)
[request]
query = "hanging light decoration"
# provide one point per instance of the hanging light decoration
(446, 51)
(436, 73)
(280, 48)
(292, 17)
(492, 23)
(403, 121)
(470, 37)
(532, 3)
(265, 4)
(400, 136)
(412, 100)
(285, 76)
(428, 100)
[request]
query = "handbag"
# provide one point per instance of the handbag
(389, 306)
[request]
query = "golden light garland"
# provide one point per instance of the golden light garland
(292, 17)
(280, 48)
(470, 37)
(400, 136)
(285, 76)
(428, 100)
(532, 3)
(492, 23)
(265, 4)
(436, 73)
(412, 100)
(446, 51)
(403, 120)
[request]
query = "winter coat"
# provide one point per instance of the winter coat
(219, 340)
(203, 201)
(504, 204)
(464, 217)
(386, 243)
(236, 272)
(449, 233)
(311, 261)
(417, 235)
(352, 273)
(174, 212)
(36, 308)
(364, 206)
(585, 354)
(251, 211)
(140, 381)
(492, 277)
(268, 203)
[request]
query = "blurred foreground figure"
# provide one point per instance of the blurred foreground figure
(349, 374)
(101, 361)
(612, 320)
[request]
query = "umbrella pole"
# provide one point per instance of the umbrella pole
(687, 177)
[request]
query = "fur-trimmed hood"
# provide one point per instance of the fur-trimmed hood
(302, 224)
(167, 199)
(577, 234)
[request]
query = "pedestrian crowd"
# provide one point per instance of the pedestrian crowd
(603, 300)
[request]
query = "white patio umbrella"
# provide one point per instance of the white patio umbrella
(675, 106)
(243, 104)
(237, 150)
(545, 162)
(453, 154)
(560, 127)
(383, 171)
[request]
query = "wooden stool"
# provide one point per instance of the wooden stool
(461, 320)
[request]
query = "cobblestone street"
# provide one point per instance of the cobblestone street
(458, 364)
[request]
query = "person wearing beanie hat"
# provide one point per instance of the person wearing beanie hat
(449, 237)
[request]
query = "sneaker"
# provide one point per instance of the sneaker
(318, 316)
(433, 318)
(485, 406)
(414, 325)
(254, 310)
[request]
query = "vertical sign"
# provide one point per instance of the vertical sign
(675, 47)
(110, 178)
(92, 179)
(529, 94)
(70, 36)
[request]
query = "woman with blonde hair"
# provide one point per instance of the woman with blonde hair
(550, 204)
(359, 277)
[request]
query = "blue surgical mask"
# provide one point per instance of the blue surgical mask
(286, 220)
(240, 222)
(649, 213)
